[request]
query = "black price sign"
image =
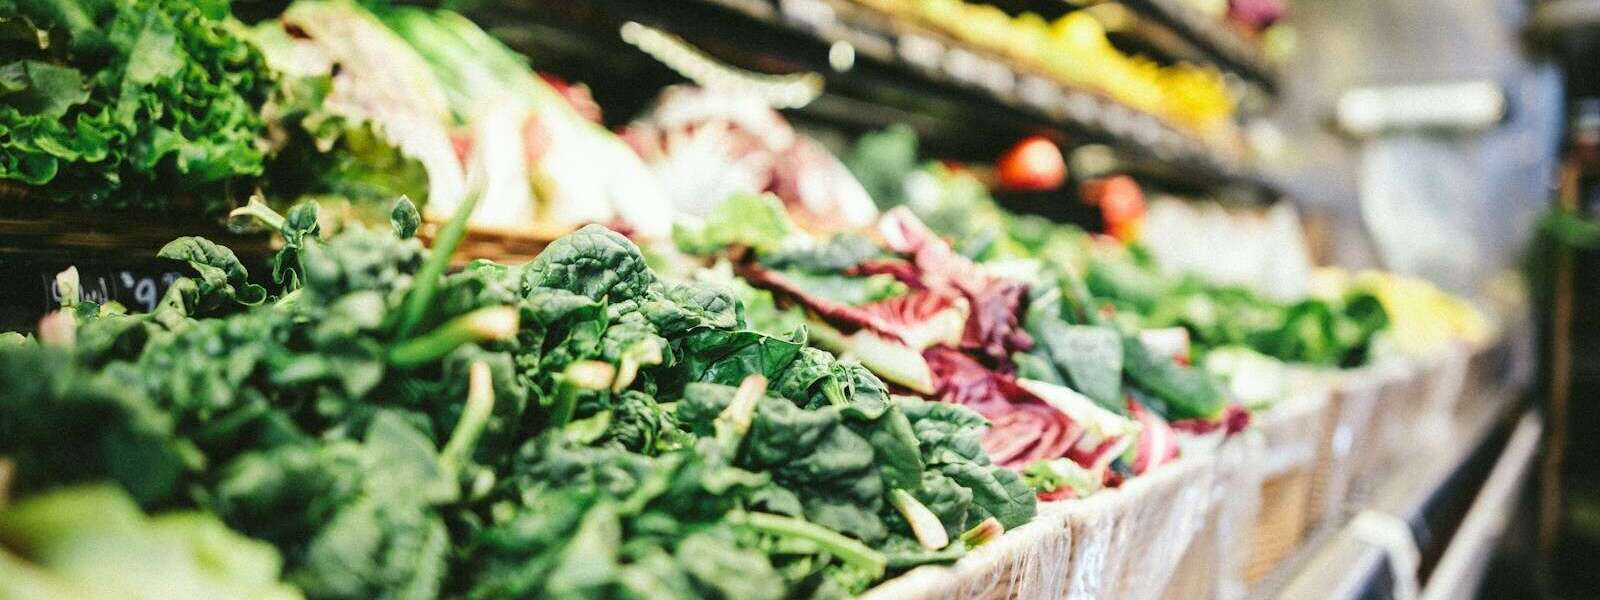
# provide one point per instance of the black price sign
(30, 290)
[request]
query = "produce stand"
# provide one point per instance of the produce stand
(893, 335)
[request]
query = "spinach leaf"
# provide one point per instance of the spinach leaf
(834, 255)
(93, 542)
(223, 278)
(951, 446)
(756, 221)
(1087, 356)
(1179, 392)
(62, 425)
(593, 261)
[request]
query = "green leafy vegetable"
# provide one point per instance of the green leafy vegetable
(93, 543)
(141, 103)
(562, 428)
(752, 221)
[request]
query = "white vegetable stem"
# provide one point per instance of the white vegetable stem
(924, 524)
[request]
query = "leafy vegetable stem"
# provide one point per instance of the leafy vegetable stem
(983, 533)
(924, 524)
(482, 325)
(6, 469)
(427, 278)
(261, 212)
(288, 299)
(647, 352)
(734, 421)
(848, 550)
(578, 377)
(68, 288)
(834, 392)
(474, 416)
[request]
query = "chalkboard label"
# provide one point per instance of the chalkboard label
(28, 289)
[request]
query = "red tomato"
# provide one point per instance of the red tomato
(1121, 204)
(1119, 198)
(1034, 164)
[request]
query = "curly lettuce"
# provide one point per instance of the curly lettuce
(130, 102)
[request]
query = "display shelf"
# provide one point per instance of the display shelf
(950, 62)
(1172, 32)
(1217, 38)
(963, 103)
(1453, 499)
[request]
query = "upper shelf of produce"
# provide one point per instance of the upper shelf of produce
(879, 70)
(1171, 30)
(1212, 35)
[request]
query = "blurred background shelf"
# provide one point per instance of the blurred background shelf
(1231, 49)
(963, 104)
(1556, 17)
(1170, 32)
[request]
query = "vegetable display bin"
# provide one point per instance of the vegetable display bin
(499, 244)
(1444, 385)
(1346, 444)
(1214, 564)
(1293, 431)
(1123, 543)
(1489, 365)
(1400, 421)
(1282, 521)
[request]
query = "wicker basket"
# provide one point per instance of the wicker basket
(1122, 543)
(1347, 441)
(1445, 382)
(498, 244)
(1281, 522)
(1294, 431)
(1398, 423)
(1214, 565)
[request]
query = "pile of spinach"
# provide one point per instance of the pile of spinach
(572, 427)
